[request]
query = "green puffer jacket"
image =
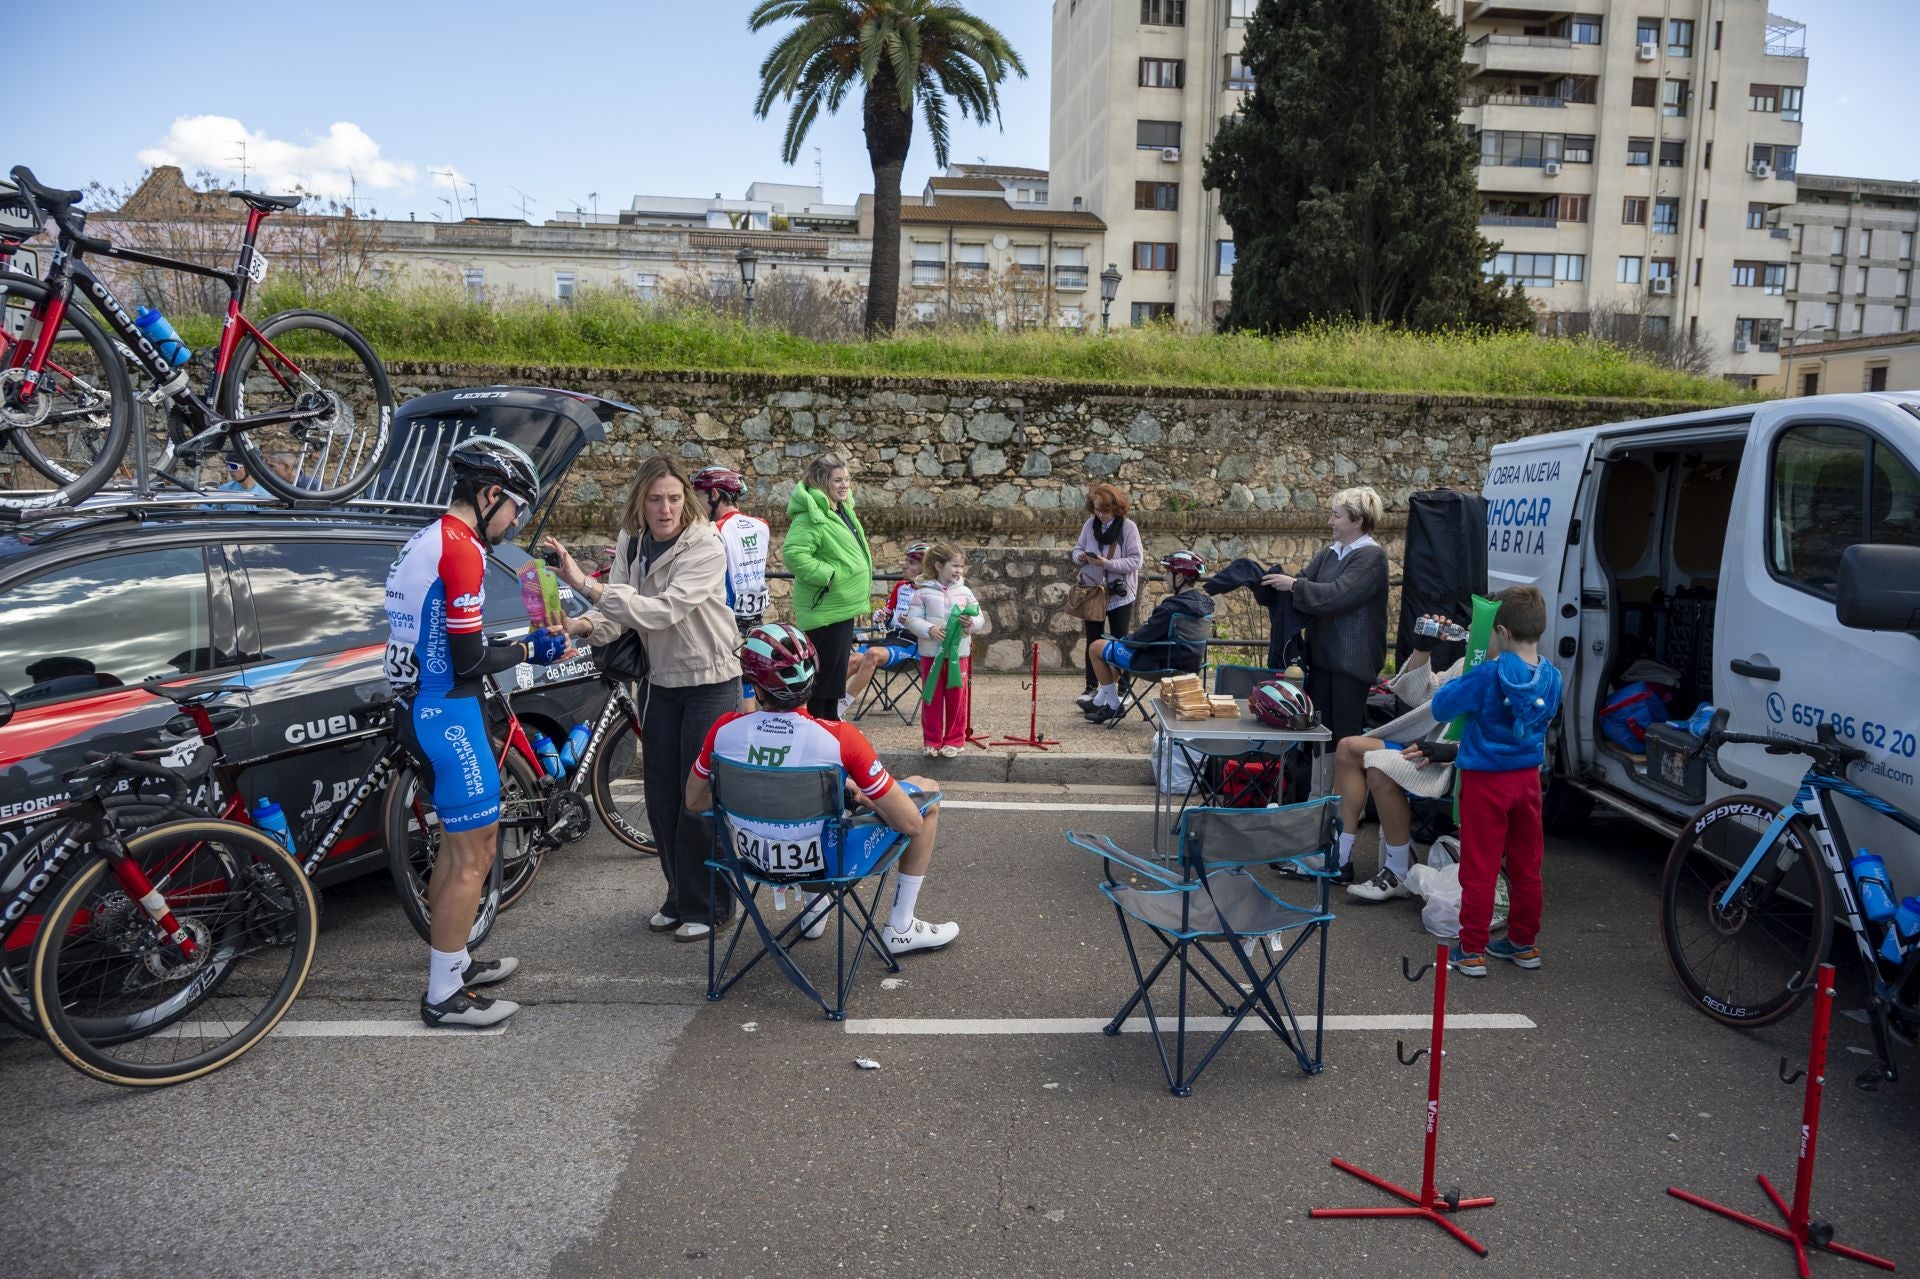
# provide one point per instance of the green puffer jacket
(832, 566)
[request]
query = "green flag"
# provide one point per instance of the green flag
(948, 660)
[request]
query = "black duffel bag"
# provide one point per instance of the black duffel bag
(625, 656)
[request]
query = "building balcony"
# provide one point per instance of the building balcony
(1508, 219)
(929, 274)
(1508, 55)
(1070, 279)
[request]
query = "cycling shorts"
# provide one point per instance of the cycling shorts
(447, 736)
(899, 652)
(1118, 655)
(867, 843)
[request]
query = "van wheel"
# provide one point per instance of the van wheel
(1564, 810)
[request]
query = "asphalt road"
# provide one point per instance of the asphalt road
(624, 1126)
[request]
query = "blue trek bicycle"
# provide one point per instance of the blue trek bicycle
(1751, 889)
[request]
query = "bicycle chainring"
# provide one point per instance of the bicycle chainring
(569, 817)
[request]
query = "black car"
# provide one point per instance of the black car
(235, 589)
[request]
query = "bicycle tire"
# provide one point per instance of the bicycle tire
(619, 793)
(264, 905)
(92, 454)
(412, 831)
(1738, 965)
(354, 391)
(522, 853)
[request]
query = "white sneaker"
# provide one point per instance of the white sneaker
(815, 927)
(1382, 887)
(691, 931)
(919, 935)
(949, 752)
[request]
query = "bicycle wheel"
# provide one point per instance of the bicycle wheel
(26, 849)
(118, 1002)
(412, 827)
(522, 850)
(1737, 961)
(68, 440)
(619, 790)
(314, 365)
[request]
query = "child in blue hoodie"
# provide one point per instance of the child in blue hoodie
(1508, 701)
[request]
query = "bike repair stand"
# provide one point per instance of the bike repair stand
(1429, 1204)
(1033, 737)
(974, 736)
(1799, 1231)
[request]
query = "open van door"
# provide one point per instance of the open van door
(1533, 491)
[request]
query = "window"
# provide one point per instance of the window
(1627, 272)
(325, 596)
(474, 280)
(1899, 319)
(1639, 151)
(1713, 96)
(1645, 89)
(145, 615)
(1756, 216)
(1524, 150)
(1866, 242)
(1773, 279)
(1831, 320)
(1633, 211)
(1070, 268)
(1877, 377)
(1762, 335)
(1859, 281)
(1716, 36)
(1902, 282)
(1673, 97)
(1023, 195)
(1679, 39)
(929, 262)
(1151, 256)
(1163, 196)
(1810, 383)
(1581, 89)
(1223, 257)
(1763, 97)
(1796, 235)
(1647, 31)
(1571, 208)
(1790, 98)
(563, 286)
(1151, 313)
(1537, 270)
(1906, 245)
(1070, 316)
(1162, 73)
(646, 284)
(1659, 268)
(1834, 487)
(1859, 319)
(1746, 275)
(1666, 216)
(1673, 155)
(1786, 161)
(1655, 327)
(1577, 148)
(1238, 77)
(1163, 13)
(1239, 11)
(1793, 282)
(1706, 155)
(1703, 215)
(1839, 241)
(970, 259)
(1698, 263)
(1584, 29)
(1151, 135)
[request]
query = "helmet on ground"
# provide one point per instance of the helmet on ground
(917, 551)
(481, 461)
(1281, 704)
(1188, 562)
(780, 663)
(720, 479)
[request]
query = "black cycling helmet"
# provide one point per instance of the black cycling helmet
(481, 461)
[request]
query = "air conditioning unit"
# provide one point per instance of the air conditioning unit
(1551, 168)
(1760, 169)
(1170, 154)
(1649, 51)
(1740, 346)
(1662, 286)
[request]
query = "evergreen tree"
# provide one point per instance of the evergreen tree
(1347, 178)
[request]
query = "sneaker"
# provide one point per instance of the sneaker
(1084, 701)
(1309, 867)
(1384, 886)
(692, 931)
(919, 935)
(949, 752)
(814, 928)
(489, 972)
(662, 922)
(1102, 714)
(1466, 963)
(467, 1008)
(1518, 956)
(933, 752)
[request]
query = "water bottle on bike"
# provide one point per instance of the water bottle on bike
(155, 328)
(1904, 933)
(576, 742)
(268, 817)
(1877, 901)
(548, 753)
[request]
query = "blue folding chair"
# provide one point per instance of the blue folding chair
(787, 829)
(1157, 663)
(894, 685)
(1224, 934)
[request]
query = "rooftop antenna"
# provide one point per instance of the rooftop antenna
(449, 203)
(454, 182)
(473, 189)
(595, 197)
(526, 202)
(242, 160)
(818, 181)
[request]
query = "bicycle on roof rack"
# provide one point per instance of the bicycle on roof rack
(301, 399)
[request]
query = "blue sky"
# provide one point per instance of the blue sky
(560, 100)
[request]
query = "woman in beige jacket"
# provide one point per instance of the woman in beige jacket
(669, 584)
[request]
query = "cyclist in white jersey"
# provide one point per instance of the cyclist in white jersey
(746, 538)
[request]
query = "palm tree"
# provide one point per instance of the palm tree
(899, 52)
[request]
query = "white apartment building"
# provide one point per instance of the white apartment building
(1597, 126)
(984, 244)
(1852, 274)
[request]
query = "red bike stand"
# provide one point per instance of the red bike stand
(1800, 1231)
(1429, 1203)
(1033, 737)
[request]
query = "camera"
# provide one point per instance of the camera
(1116, 588)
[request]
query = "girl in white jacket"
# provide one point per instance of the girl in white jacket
(941, 601)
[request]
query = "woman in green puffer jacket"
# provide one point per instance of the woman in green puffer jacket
(826, 551)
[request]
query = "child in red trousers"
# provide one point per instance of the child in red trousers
(942, 603)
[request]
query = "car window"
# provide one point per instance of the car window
(115, 620)
(503, 607)
(1834, 487)
(1895, 493)
(318, 597)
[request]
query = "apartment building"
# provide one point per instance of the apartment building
(1597, 130)
(985, 244)
(1878, 362)
(1852, 273)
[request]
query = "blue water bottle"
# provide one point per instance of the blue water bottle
(1905, 930)
(154, 327)
(1876, 886)
(576, 742)
(549, 754)
(268, 817)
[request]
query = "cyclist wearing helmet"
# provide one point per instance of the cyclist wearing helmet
(436, 659)
(896, 645)
(779, 660)
(1179, 628)
(746, 538)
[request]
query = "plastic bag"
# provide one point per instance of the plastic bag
(1441, 887)
(1172, 772)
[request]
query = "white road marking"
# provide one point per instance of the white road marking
(363, 1029)
(1012, 806)
(1135, 1025)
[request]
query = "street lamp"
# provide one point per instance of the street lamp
(1109, 289)
(749, 263)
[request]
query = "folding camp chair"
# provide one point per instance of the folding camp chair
(786, 829)
(1239, 681)
(1138, 683)
(894, 687)
(1210, 908)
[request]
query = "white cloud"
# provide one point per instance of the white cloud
(329, 165)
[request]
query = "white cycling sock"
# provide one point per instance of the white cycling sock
(444, 972)
(1397, 858)
(1344, 853)
(816, 909)
(1109, 695)
(905, 897)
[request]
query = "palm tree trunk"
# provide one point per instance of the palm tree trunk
(889, 136)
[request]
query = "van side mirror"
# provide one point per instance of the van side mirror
(1880, 588)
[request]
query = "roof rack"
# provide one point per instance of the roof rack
(101, 510)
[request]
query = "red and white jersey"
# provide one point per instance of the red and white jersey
(435, 590)
(746, 538)
(794, 739)
(899, 600)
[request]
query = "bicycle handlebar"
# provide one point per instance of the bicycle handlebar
(100, 766)
(1778, 744)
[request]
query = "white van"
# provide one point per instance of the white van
(1709, 544)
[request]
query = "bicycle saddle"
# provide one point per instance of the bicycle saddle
(52, 200)
(266, 203)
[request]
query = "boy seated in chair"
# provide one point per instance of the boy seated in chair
(780, 662)
(1174, 638)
